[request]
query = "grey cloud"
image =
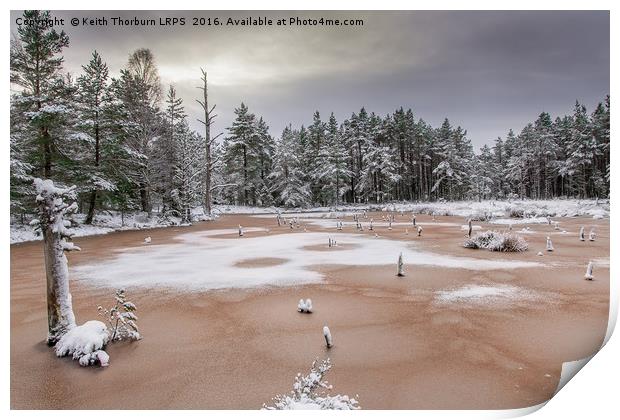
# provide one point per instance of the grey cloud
(487, 71)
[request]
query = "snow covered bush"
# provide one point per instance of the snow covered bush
(496, 241)
(309, 393)
(85, 343)
(121, 318)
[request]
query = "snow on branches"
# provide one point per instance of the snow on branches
(496, 241)
(121, 318)
(309, 392)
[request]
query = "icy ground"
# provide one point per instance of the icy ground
(210, 260)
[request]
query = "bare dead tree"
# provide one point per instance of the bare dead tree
(210, 163)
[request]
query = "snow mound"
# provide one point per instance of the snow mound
(85, 343)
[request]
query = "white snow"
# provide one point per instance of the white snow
(209, 260)
(481, 295)
(499, 211)
(305, 306)
(84, 343)
(517, 221)
(310, 393)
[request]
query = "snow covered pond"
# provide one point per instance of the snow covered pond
(210, 260)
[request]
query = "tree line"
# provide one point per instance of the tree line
(127, 145)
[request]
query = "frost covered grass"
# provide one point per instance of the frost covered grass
(211, 260)
(496, 241)
(488, 210)
(310, 393)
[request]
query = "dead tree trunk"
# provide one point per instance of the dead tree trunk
(209, 164)
(56, 236)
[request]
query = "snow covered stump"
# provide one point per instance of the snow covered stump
(549, 245)
(85, 342)
(589, 275)
(582, 236)
(401, 266)
(469, 228)
(305, 307)
(56, 236)
(241, 230)
(328, 337)
(592, 236)
(419, 230)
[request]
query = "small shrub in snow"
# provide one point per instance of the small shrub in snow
(85, 343)
(515, 212)
(309, 393)
(121, 318)
(496, 241)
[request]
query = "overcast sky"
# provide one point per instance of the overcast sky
(485, 71)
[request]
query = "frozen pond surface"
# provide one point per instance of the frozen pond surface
(211, 260)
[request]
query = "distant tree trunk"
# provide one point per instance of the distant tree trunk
(208, 118)
(245, 175)
(93, 193)
(145, 201)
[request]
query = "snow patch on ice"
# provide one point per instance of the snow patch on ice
(516, 221)
(480, 295)
(210, 260)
